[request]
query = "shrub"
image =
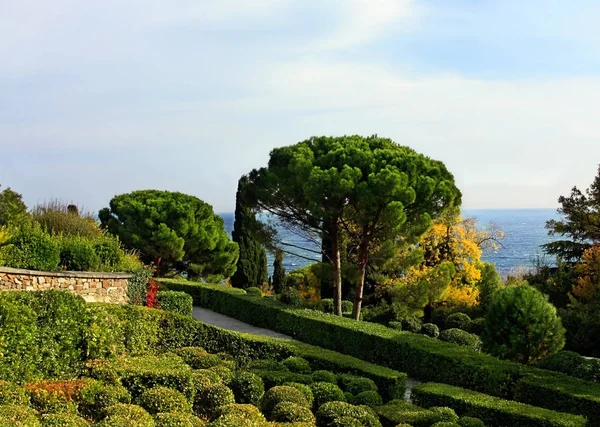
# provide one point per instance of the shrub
(470, 422)
(306, 391)
(326, 392)
(460, 337)
(31, 248)
(349, 397)
(254, 291)
(489, 283)
(347, 307)
(522, 325)
(331, 411)
(395, 325)
(563, 361)
(325, 305)
(136, 285)
(430, 330)
(369, 398)
(297, 365)
(588, 370)
(445, 424)
(49, 399)
(176, 302)
(292, 297)
(12, 394)
(105, 335)
(324, 376)
(345, 422)
(458, 321)
(163, 399)
(224, 373)
(190, 355)
(245, 411)
(412, 325)
(477, 326)
(18, 415)
(289, 412)
(78, 254)
(247, 388)
(356, 384)
(121, 421)
(63, 420)
(280, 394)
(208, 399)
(95, 398)
(267, 365)
(118, 414)
(18, 343)
(272, 379)
(177, 419)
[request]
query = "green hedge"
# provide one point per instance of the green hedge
(419, 356)
(176, 302)
(492, 410)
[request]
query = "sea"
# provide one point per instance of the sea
(524, 231)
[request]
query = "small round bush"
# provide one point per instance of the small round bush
(163, 399)
(458, 321)
(12, 394)
(124, 410)
(289, 412)
(470, 422)
(460, 337)
(324, 376)
(345, 422)
(349, 397)
(442, 413)
(521, 325)
(272, 379)
(306, 391)
(292, 298)
(280, 394)
(331, 411)
(563, 361)
(326, 392)
(63, 420)
(121, 421)
(267, 365)
(347, 307)
(191, 355)
(204, 362)
(247, 388)
(297, 365)
(430, 330)
(445, 424)
(356, 384)
(209, 399)
(395, 325)
(254, 291)
(97, 397)
(240, 410)
(588, 370)
(325, 305)
(412, 325)
(50, 402)
(177, 419)
(225, 374)
(369, 398)
(201, 376)
(18, 415)
(176, 302)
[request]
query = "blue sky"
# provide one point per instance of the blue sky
(102, 98)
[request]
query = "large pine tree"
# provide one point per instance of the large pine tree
(252, 264)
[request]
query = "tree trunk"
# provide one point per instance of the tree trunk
(157, 266)
(337, 269)
(360, 284)
(327, 286)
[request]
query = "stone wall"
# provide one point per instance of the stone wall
(93, 287)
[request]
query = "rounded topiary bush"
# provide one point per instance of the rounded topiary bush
(297, 365)
(50, 402)
(224, 373)
(280, 394)
(191, 354)
(12, 394)
(588, 370)
(267, 365)
(127, 411)
(325, 305)
(521, 325)
(349, 397)
(347, 307)
(247, 411)
(207, 400)
(563, 361)
(445, 424)
(306, 391)
(442, 413)
(254, 291)
(412, 325)
(369, 398)
(326, 392)
(18, 415)
(430, 330)
(97, 397)
(247, 388)
(177, 419)
(460, 337)
(324, 376)
(356, 384)
(292, 298)
(345, 422)
(121, 421)
(176, 302)
(163, 399)
(477, 326)
(328, 413)
(458, 321)
(289, 412)
(63, 420)
(395, 325)
(201, 377)
(470, 422)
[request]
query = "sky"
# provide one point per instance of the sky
(103, 98)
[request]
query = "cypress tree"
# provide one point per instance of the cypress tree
(252, 264)
(278, 272)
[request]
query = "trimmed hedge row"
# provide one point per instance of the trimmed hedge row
(148, 331)
(492, 410)
(419, 356)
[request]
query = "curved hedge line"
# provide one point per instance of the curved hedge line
(419, 356)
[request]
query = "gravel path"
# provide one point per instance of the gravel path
(226, 322)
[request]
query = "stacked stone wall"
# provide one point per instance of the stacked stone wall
(93, 287)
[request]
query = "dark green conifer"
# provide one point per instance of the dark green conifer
(278, 272)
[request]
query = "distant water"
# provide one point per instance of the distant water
(524, 230)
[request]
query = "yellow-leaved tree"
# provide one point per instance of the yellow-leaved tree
(587, 289)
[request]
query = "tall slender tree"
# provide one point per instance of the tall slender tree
(252, 263)
(278, 272)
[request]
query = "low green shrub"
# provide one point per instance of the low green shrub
(397, 412)
(224, 373)
(190, 355)
(290, 412)
(280, 394)
(18, 336)
(292, 297)
(208, 399)
(369, 398)
(458, 321)
(121, 421)
(356, 384)
(331, 411)
(324, 376)
(78, 253)
(297, 365)
(63, 420)
(395, 325)
(163, 399)
(325, 305)
(412, 325)
(175, 302)
(445, 424)
(272, 379)
(177, 419)
(105, 335)
(589, 370)
(491, 410)
(349, 397)
(12, 394)
(460, 337)
(477, 326)
(430, 330)
(267, 365)
(18, 415)
(46, 399)
(326, 392)
(29, 247)
(247, 388)
(245, 411)
(306, 391)
(345, 422)
(347, 307)
(470, 422)
(126, 415)
(254, 291)
(563, 361)
(96, 397)
(137, 285)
